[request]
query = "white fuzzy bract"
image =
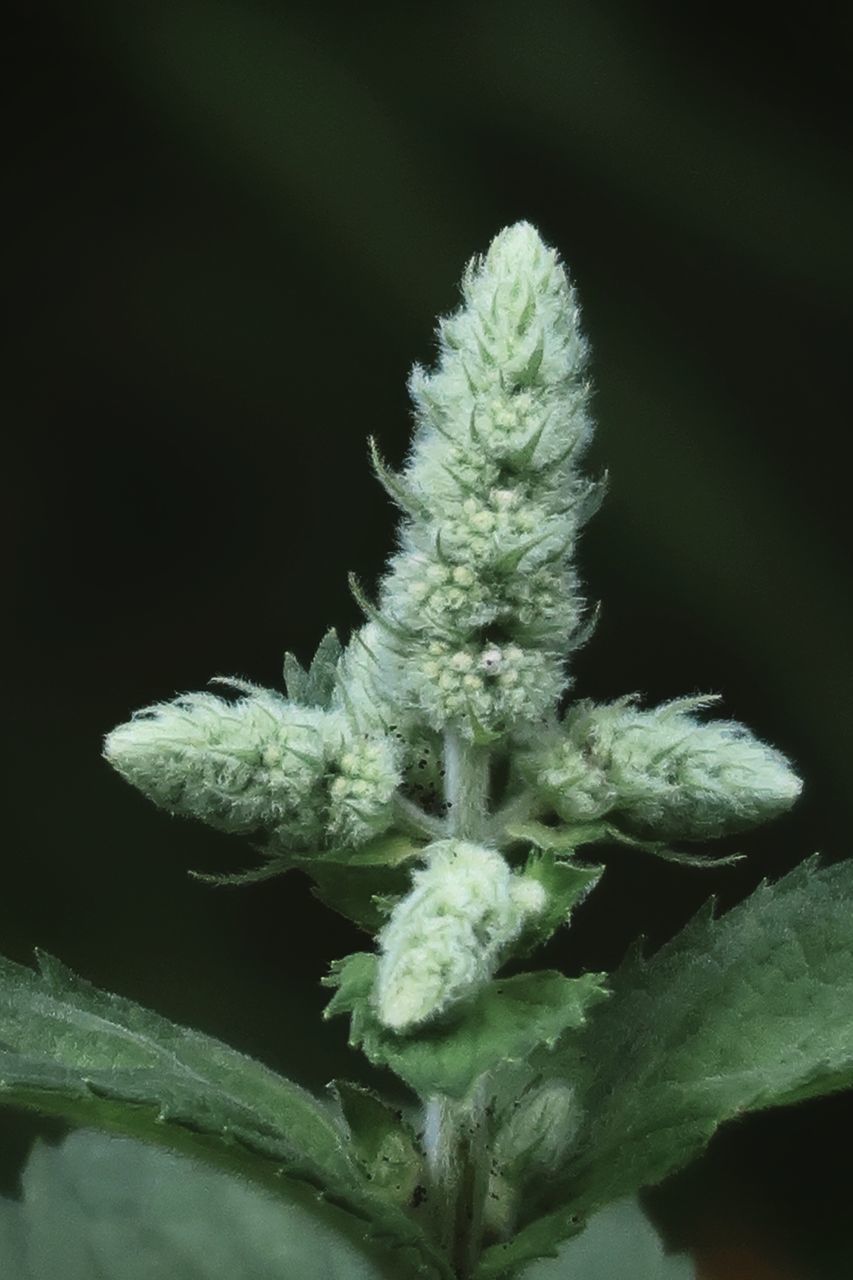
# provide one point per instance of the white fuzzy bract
(446, 937)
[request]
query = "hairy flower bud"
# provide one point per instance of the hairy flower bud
(662, 771)
(445, 939)
(297, 776)
(364, 777)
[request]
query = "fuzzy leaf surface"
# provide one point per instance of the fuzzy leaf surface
(750, 1010)
(382, 1140)
(99, 1208)
(96, 1059)
(500, 1025)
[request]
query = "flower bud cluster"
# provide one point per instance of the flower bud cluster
(493, 501)
(482, 686)
(446, 937)
(661, 771)
(361, 790)
(299, 777)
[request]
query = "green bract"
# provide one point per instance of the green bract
(429, 782)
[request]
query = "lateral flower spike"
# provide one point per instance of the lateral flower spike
(493, 503)
(445, 939)
(295, 776)
(661, 772)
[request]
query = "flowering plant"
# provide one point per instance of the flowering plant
(428, 781)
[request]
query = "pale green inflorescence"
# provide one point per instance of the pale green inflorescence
(477, 615)
(446, 937)
(297, 777)
(661, 772)
(480, 606)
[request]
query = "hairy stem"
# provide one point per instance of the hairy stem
(466, 786)
(456, 1142)
(455, 1133)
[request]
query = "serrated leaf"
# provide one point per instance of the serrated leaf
(500, 1025)
(618, 1244)
(382, 1140)
(566, 885)
(751, 1010)
(99, 1060)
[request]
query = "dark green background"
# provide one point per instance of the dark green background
(236, 224)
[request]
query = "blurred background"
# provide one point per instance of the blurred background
(235, 224)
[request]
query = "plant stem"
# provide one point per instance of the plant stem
(455, 1132)
(456, 1141)
(466, 786)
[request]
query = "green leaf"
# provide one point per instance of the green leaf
(361, 883)
(751, 1010)
(295, 679)
(500, 1025)
(566, 885)
(383, 1142)
(97, 1059)
(313, 688)
(391, 849)
(566, 839)
(363, 896)
(324, 665)
(558, 840)
(98, 1208)
(618, 1244)
(659, 849)
(268, 870)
